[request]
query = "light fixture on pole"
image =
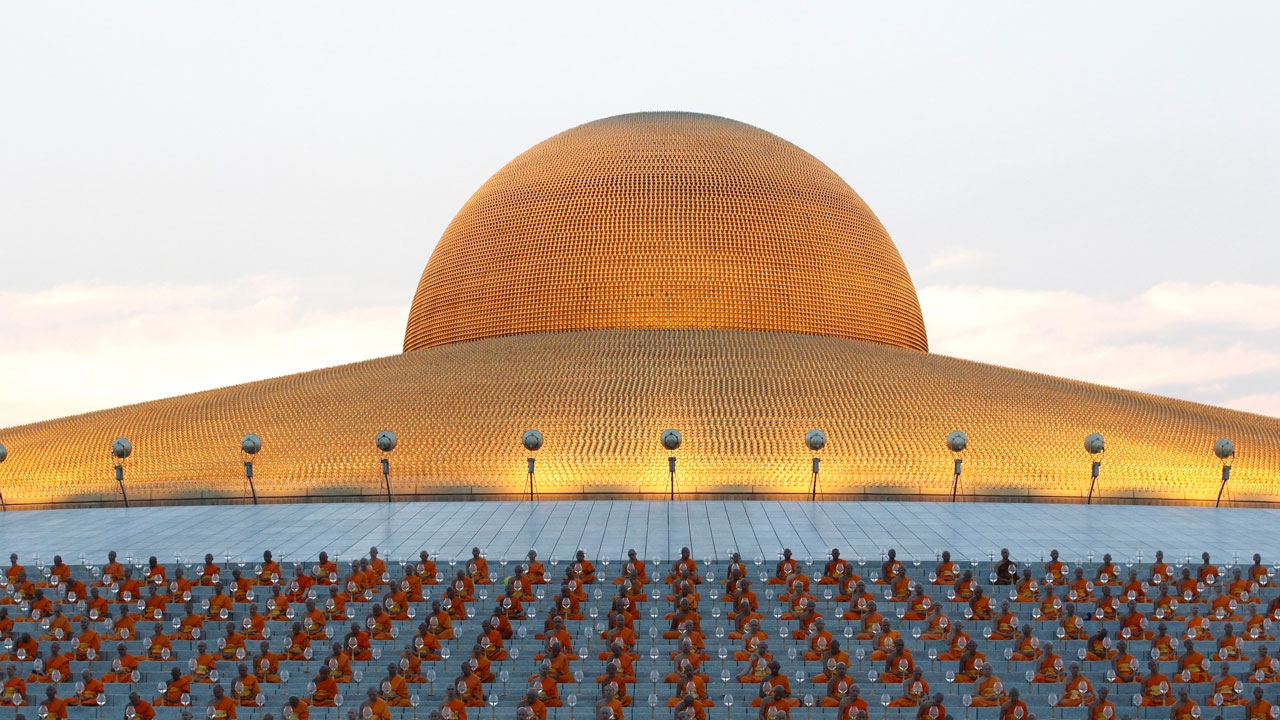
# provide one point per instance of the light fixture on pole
(1225, 450)
(386, 442)
(532, 441)
(1095, 445)
(250, 445)
(671, 439)
(4, 453)
(815, 440)
(121, 449)
(957, 442)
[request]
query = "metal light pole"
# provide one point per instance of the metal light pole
(121, 449)
(250, 445)
(957, 442)
(1225, 450)
(532, 441)
(4, 453)
(386, 441)
(1095, 445)
(815, 440)
(671, 440)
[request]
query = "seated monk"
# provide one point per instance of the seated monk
(1014, 708)
(859, 600)
(1101, 708)
(752, 638)
(819, 638)
(478, 568)
(979, 605)
(1081, 588)
(339, 663)
(1185, 708)
(1227, 690)
(1026, 647)
(835, 570)
(395, 691)
(1135, 589)
(937, 625)
(1230, 645)
(970, 664)
(206, 664)
(267, 663)
(1077, 691)
(1098, 646)
(1049, 669)
(1264, 668)
(832, 657)
(14, 693)
(122, 666)
(786, 569)
(918, 605)
(1055, 571)
(1164, 644)
(957, 641)
(1155, 687)
(947, 572)
(757, 665)
(1028, 588)
(1124, 664)
(88, 690)
(1257, 708)
(1004, 625)
(890, 569)
(773, 682)
(1133, 624)
(245, 687)
(839, 686)
(325, 571)
(898, 663)
(1191, 664)
(326, 689)
(870, 622)
(684, 565)
(584, 569)
(174, 690)
(914, 690)
(990, 690)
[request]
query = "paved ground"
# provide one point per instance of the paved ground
(607, 529)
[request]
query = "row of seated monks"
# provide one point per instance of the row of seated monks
(57, 615)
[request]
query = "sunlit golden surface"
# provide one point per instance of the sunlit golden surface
(665, 220)
(742, 399)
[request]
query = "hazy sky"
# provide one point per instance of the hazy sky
(193, 195)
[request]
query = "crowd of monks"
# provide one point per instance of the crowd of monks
(331, 622)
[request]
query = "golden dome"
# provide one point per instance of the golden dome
(665, 221)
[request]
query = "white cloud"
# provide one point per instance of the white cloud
(1200, 342)
(1263, 404)
(939, 261)
(79, 348)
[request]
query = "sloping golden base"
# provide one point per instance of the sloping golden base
(742, 399)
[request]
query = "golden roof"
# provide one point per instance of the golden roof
(717, 280)
(665, 220)
(743, 401)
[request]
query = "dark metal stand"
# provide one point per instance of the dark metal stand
(120, 482)
(671, 467)
(531, 479)
(248, 475)
(813, 488)
(955, 481)
(386, 476)
(1093, 480)
(1226, 475)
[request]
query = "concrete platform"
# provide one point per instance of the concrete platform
(609, 528)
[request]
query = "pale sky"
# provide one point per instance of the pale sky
(194, 195)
